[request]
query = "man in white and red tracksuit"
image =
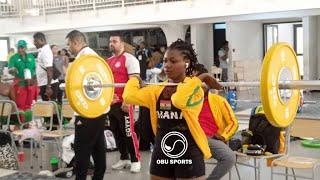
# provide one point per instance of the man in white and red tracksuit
(123, 65)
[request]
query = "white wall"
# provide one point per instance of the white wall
(245, 40)
(4, 49)
(57, 38)
(202, 40)
(246, 48)
(318, 49)
(310, 47)
(173, 32)
(285, 33)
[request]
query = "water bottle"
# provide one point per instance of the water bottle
(54, 161)
(232, 99)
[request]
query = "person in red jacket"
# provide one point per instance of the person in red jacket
(218, 121)
(123, 65)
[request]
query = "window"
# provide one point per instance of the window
(298, 38)
(298, 44)
(270, 35)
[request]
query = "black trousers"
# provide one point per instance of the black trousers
(60, 92)
(120, 126)
(90, 141)
(144, 129)
(54, 87)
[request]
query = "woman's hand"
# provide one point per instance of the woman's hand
(115, 99)
(210, 81)
(125, 107)
(13, 71)
(141, 83)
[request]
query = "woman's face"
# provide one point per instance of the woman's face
(63, 52)
(174, 64)
(55, 50)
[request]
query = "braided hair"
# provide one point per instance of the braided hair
(187, 50)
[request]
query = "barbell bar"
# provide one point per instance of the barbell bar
(90, 85)
(259, 101)
(117, 85)
(294, 84)
(287, 84)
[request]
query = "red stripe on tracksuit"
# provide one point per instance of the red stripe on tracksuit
(133, 133)
(232, 120)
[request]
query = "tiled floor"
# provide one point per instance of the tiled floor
(245, 172)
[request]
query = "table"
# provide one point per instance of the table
(6, 172)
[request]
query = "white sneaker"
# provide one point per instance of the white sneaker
(121, 164)
(135, 167)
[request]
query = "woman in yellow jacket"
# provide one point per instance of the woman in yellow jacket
(219, 123)
(180, 143)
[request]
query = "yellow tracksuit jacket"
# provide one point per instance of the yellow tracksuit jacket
(224, 116)
(188, 98)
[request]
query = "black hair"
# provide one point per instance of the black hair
(187, 50)
(200, 69)
(66, 51)
(53, 45)
(156, 48)
(76, 35)
(117, 34)
(39, 36)
(143, 43)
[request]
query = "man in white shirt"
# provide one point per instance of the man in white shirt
(223, 58)
(44, 69)
(89, 132)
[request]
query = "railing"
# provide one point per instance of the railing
(16, 8)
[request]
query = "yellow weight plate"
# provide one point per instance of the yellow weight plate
(88, 101)
(278, 112)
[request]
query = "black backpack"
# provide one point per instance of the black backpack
(264, 133)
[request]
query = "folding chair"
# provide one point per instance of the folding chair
(40, 109)
(57, 135)
(46, 109)
(5, 114)
(257, 159)
(216, 72)
(7, 108)
(66, 112)
(300, 128)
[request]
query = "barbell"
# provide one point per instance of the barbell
(90, 85)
